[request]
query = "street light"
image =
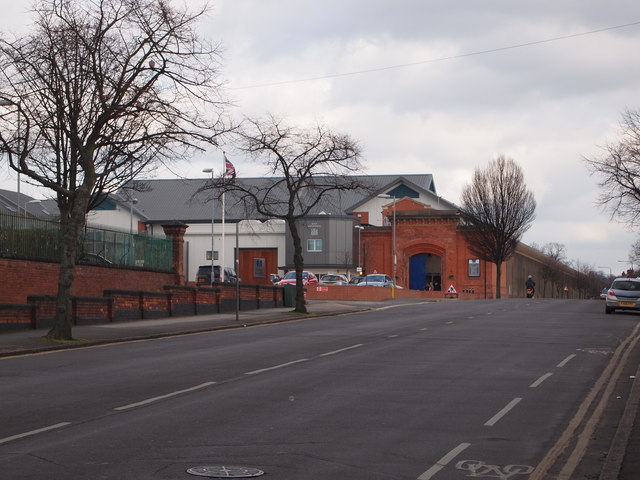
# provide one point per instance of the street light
(359, 228)
(610, 273)
(393, 285)
(628, 262)
(212, 277)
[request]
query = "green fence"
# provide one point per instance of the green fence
(35, 238)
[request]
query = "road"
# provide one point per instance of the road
(426, 391)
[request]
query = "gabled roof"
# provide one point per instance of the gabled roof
(170, 200)
(178, 200)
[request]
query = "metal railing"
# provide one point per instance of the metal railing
(35, 238)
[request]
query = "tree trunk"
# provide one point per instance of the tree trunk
(71, 228)
(498, 278)
(298, 263)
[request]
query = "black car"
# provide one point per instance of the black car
(203, 276)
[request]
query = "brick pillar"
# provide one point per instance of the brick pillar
(176, 231)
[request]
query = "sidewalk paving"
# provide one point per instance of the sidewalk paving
(32, 341)
(625, 446)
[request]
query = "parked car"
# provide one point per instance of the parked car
(203, 277)
(624, 294)
(308, 278)
(274, 278)
(376, 280)
(356, 280)
(334, 279)
(603, 293)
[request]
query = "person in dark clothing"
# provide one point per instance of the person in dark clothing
(531, 286)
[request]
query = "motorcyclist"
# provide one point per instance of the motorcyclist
(531, 285)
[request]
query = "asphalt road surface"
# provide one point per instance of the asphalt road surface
(493, 389)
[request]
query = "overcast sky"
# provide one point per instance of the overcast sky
(443, 87)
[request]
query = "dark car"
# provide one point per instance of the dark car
(203, 277)
(289, 278)
(624, 294)
(334, 279)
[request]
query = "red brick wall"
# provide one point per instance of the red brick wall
(438, 236)
(20, 278)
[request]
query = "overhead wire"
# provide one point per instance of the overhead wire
(436, 60)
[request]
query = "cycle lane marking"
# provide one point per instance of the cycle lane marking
(566, 360)
(444, 461)
(493, 420)
(540, 380)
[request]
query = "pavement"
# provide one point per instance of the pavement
(621, 461)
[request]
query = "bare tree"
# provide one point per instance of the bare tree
(634, 255)
(307, 165)
(100, 91)
(497, 209)
(552, 271)
(619, 171)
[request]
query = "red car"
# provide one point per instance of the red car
(308, 278)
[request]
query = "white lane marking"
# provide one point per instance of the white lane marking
(565, 361)
(493, 420)
(341, 350)
(444, 461)
(275, 367)
(449, 323)
(34, 432)
(540, 380)
(162, 397)
(393, 336)
(423, 329)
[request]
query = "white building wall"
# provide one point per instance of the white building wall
(118, 219)
(251, 234)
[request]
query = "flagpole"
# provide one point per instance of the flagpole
(224, 173)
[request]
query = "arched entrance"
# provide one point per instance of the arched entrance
(425, 272)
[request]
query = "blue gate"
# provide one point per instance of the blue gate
(418, 272)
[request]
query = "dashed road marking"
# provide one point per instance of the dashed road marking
(334, 352)
(444, 461)
(162, 397)
(33, 432)
(275, 367)
(566, 360)
(493, 420)
(540, 380)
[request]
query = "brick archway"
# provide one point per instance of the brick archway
(425, 261)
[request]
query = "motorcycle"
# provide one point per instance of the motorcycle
(530, 292)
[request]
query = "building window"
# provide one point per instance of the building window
(258, 268)
(314, 245)
(474, 267)
(215, 255)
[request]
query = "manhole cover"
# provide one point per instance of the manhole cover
(225, 472)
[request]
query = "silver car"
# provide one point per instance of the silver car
(624, 294)
(376, 280)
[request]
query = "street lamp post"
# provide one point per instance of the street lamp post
(628, 262)
(212, 277)
(610, 273)
(395, 264)
(359, 228)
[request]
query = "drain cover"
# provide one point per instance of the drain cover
(216, 471)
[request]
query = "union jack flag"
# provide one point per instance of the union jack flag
(229, 169)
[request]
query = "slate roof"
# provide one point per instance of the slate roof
(177, 199)
(14, 202)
